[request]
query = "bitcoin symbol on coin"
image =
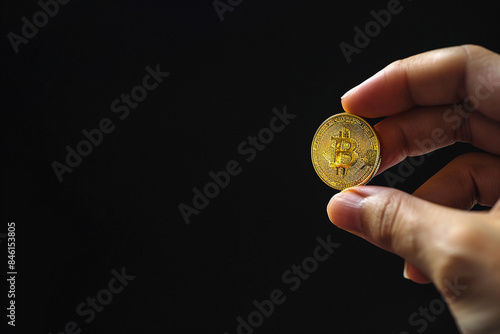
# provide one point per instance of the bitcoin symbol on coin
(345, 151)
(342, 154)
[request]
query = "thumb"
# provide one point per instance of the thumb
(397, 222)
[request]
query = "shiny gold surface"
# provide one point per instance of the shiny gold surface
(345, 151)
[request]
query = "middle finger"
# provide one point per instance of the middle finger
(424, 129)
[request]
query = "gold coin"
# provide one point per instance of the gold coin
(345, 151)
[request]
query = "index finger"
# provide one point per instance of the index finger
(467, 73)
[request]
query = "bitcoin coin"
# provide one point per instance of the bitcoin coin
(345, 151)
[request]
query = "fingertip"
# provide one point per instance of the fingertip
(349, 92)
(343, 210)
(345, 105)
(359, 99)
(344, 207)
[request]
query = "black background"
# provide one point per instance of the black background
(119, 207)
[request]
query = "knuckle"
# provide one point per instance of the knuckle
(476, 52)
(460, 248)
(399, 65)
(468, 169)
(384, 217)
(472, 48)
(468, 158)
(466, 163)
(463, 132)
(463, 236)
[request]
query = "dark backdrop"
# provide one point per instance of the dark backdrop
(119, 207)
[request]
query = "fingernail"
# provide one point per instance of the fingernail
(343, 210)
(352, 90)
(349, 92)
(405, 272)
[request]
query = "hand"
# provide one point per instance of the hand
(435, 99)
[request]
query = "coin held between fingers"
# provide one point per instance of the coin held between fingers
(345, 151)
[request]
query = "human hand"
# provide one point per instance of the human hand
(433, 100)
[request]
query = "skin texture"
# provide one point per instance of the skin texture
(432, 100)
